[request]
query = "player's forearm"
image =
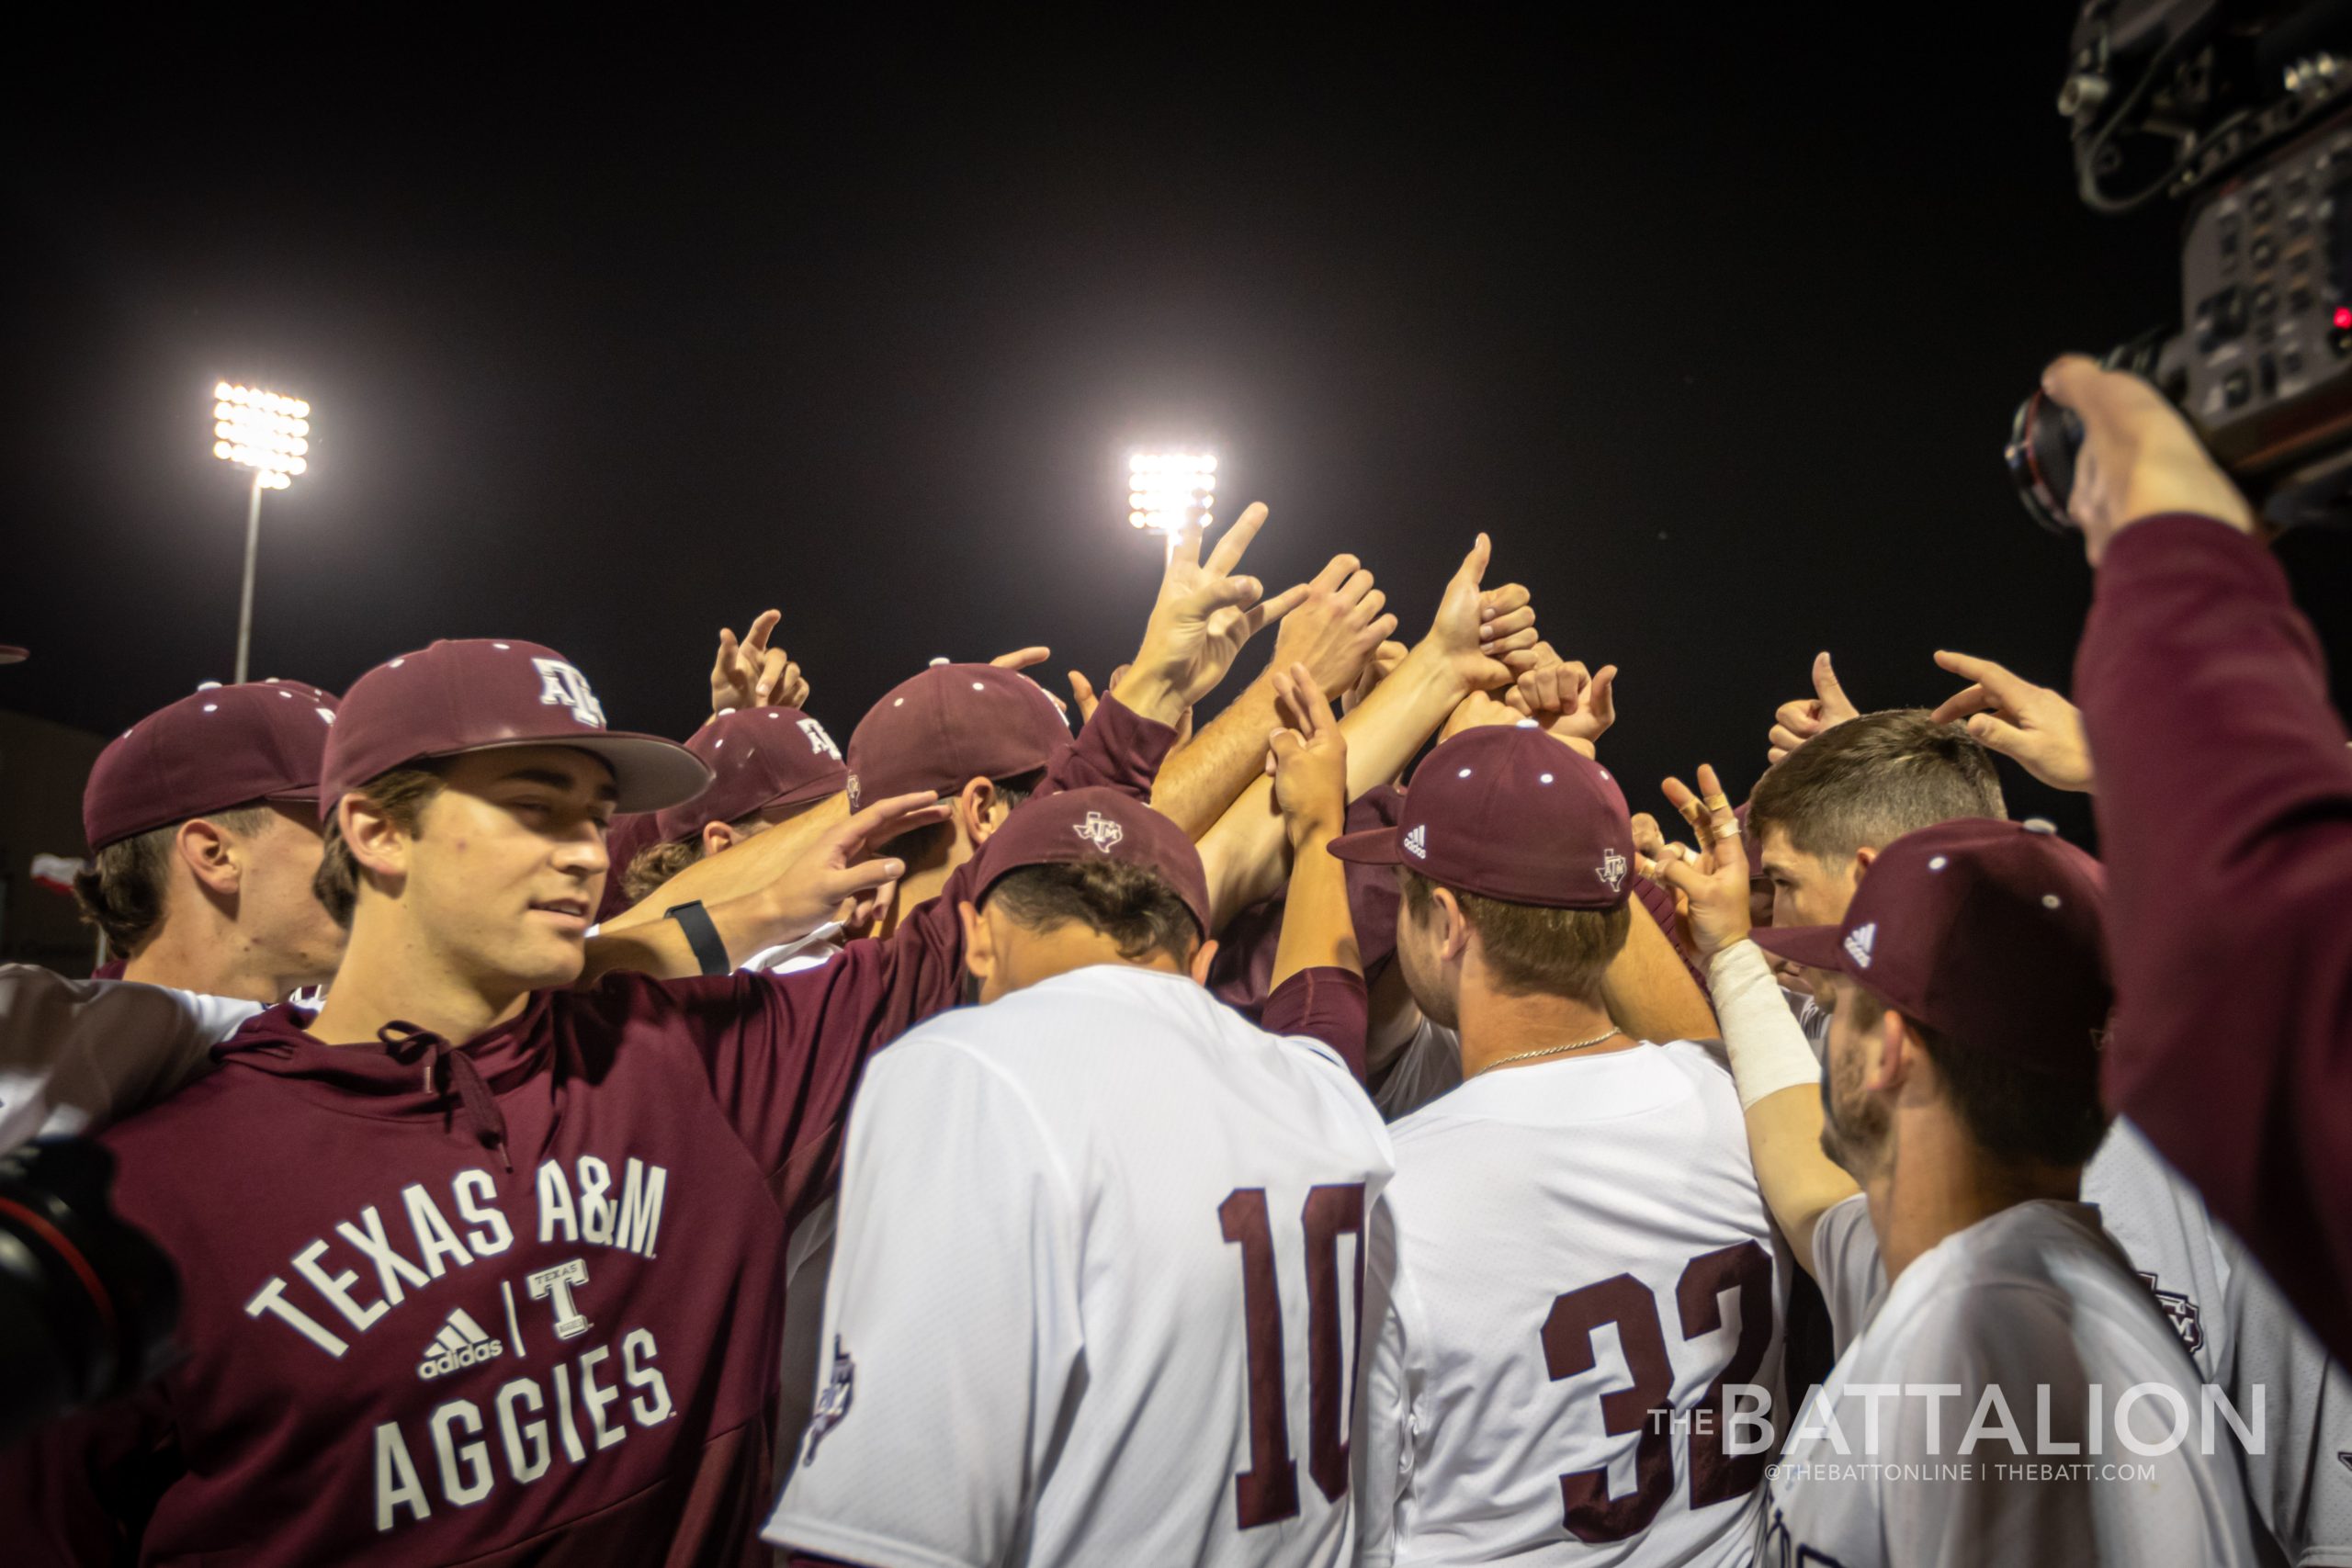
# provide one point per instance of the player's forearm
(1245, 853)
(1799, 1182)
(739, 870)
(660, 948)
(1197, 783)
(1779, 1082)
(1319, 932)
(1648, 988)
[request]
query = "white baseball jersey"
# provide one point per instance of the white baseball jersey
(1095, 1297)
(1574, 1261)
(2244, 1339)
(78, 1054)
(1427, 1064)
(2012, 1398)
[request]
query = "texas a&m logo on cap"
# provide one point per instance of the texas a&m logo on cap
(819, 741)
(1098, 830)
(1611, 869)
(560, 685)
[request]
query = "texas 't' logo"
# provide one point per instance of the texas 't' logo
(560, 685)
(1098, 830)
(1611, 869)
(819, 741)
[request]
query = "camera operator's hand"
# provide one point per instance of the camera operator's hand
(1795, 723)
(2139, 459)
(2031, 725)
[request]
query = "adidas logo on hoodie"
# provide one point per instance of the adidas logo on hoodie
(461, 1344)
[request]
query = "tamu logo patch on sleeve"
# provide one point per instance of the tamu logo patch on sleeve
(832, 1401)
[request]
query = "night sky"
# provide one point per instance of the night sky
(1717, 327)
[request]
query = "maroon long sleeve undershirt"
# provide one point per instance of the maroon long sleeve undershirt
(2224, 805)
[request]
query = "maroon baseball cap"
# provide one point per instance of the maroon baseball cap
(1080, 825)
(949, 725)
(225, 746)
(1986, 931)
(473, 694)
(759, 757)
(1505, 811)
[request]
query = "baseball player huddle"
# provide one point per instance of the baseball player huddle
(1337, 1130)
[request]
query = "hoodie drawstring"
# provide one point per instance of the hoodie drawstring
(474, 1097)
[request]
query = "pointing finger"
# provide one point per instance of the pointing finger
(1230, 549)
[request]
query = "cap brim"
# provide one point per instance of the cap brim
(1815, 947)
(1372, 846)
(649, 772)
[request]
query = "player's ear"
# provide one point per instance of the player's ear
(718, 836)
(1202, 956)
(975, 807)
(1452, 925)
(980, 946)
(377, 841)
(1892, 1050)
(204, 847)
(1861, 866)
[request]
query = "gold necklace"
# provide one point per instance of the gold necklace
(1547, 1051)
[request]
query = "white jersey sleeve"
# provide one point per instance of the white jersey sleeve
(78, 1054)
(1429, 1065)
(1383, 1438)
(951, 1327)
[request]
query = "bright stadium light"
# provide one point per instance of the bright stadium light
(270, 434)
(1166, 491)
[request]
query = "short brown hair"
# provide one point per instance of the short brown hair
(2018, 1113)
(1530, 948)
(1132, 904)
(123, 893)
(1872, 780)
(657, 864)
(404, 793)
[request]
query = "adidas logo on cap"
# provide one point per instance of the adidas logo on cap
(1416, 844)
(461, 1344)
(1857, 943)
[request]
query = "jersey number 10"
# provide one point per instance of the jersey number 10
(1267, 1489)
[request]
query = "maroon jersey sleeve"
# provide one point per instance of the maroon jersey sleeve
(2224, 805)
(80, 1490)
(782, 1052)
(1326, 1004)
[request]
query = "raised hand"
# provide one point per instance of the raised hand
(1384, 660)
(1022, 658)
(1081, 695)
(1202, 616)
(1336, 627)
(2033, 725)
(1569, 701)
(831, 881)
(750, 674)
(1309, 759)
(1798, 722)
(1478, 632)
(2139, 456)
(1710, 883)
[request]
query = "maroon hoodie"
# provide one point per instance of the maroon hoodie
(514, 1300)
(2224, 803)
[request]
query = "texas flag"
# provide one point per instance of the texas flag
(57, 872)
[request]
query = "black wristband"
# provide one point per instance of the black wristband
(702, 936)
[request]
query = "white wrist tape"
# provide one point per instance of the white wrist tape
(1768, 1048)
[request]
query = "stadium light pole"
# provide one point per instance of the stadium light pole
(271, 435)
(1166, 491)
